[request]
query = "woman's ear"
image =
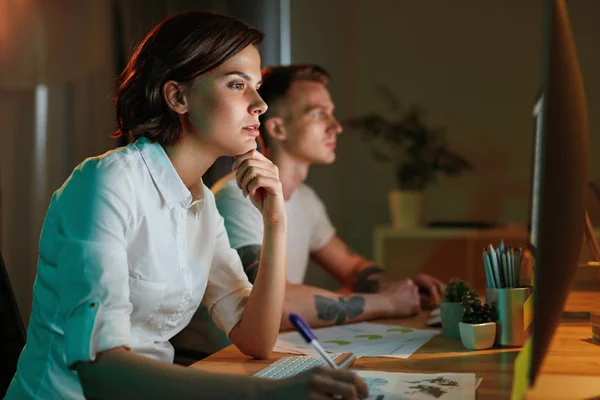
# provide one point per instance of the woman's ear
(174, 94)
(275, 129)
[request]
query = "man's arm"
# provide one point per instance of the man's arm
(364, 276)
(349, 268)
(250, 256)
(320, 307)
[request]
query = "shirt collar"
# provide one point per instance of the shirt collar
(164, 175)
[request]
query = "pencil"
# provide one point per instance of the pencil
(489, 277)
(494, 264)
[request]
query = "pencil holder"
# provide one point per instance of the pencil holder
(514, 314)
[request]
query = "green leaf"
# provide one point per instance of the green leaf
(370, 337)
(403, 330)
(338, 342)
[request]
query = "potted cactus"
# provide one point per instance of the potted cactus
(478, 326)
(451, 309)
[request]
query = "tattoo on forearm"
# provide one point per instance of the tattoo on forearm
(368, 280)
(250, 256)
(340, 309)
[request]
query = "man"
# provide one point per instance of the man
(298, 130)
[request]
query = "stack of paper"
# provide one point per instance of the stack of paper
(362, 339)
(396, 385)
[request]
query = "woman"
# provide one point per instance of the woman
(132, 241)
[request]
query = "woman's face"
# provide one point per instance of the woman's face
(224, 105)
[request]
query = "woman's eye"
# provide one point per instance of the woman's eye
(317, 114)
(237, 86)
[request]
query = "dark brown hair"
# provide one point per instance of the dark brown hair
(277, 82)
(181, 48)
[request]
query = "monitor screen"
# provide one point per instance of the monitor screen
(560, 177)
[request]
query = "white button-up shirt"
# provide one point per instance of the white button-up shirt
(126, 256)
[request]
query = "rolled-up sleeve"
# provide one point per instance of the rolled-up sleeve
(90, 217)
(228, 287)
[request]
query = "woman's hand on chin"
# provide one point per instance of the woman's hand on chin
(258, 178)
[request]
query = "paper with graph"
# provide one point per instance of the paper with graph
(396, 385)
(362, 339)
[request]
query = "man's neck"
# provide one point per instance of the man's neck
(292, 172)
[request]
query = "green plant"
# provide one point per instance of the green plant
(455, 291)
(418, 152)
(475, 312)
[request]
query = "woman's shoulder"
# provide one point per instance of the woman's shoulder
(120, 161)
(114, 169)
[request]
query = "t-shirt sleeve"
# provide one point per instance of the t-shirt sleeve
(243, 221)
(228, 287)
(88, 223)
(323, 230)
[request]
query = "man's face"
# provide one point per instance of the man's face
(310, 128)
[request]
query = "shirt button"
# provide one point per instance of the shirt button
(173, 318)
(183, 269)
(186, 296)
(181, 243)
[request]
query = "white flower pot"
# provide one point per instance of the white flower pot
(477, 336)
(407, 208)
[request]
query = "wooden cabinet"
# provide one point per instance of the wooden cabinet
(448, 253)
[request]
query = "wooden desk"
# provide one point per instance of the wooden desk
(571, 353)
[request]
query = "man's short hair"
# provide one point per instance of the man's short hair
(277, 82)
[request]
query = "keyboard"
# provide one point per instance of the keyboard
(435, 318)
(293, 365)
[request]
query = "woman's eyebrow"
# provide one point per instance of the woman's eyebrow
(242, 75)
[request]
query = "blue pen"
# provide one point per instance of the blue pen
(304, 330)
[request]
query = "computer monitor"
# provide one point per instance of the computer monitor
(560, 178)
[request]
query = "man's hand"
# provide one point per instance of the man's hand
(431, 290)
(258, 178)
(403, 296)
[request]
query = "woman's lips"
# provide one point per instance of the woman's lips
(252, 129)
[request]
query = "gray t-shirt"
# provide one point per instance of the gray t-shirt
(308, 226)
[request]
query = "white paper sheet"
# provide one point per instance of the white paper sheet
(362, 339)
(396, 385)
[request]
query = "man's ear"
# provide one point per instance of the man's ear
(275, 128)
(174, 94)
